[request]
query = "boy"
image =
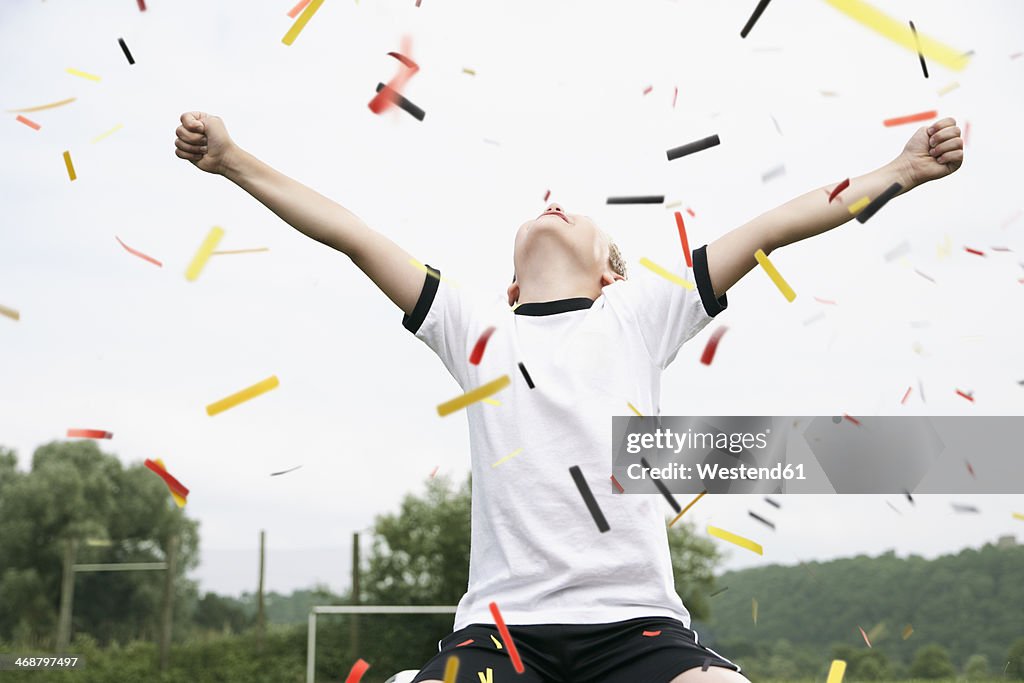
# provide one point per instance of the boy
(581, 605)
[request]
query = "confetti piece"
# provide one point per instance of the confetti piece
(633, 408)
(547, 194)
(481, 344)
(717, 592)
(671, 277)
(108, 133)
(688, 506)
(893, 507)
(526, 375)
(497, 644)
(489, 678)
(761, 519)
(974, 251)
(177, 489)
(508, 457)
(912, 118)
(773, 173)
(859, 204)
(491, 402)
(706, 665)
(1001, 249)
(683, 240)
(40, 107)
(961, 507)
(513, 653)
(836, 671)
(138, 253)
(203, 254)
(672, 205)
(693, 147)
(865, 636)
(239, 251)
(385, 97)
(451, 668)
(127, 52)
(896, 31)
(404, 104)
(908, 631)
(851, 419)
(1017, 515)
(277, 474)
(617, 484)
(675, 94)
(645, 199)
(588, 498)
(355, 674)
(142, 5)
(878, 202)
(898, 251)
(904, 399)
(662, 488)
(754, 17)
(650, 634)
(712, 345)
(648, 89)
(917, 42)
(745, 543)
(89, 434)
(783, 286)
(926, 277)
(963, 395)
(28, 122)
(753, 609)
(839, 188)
(825, 301)
(777, 129)
(970, 469)
(70, 166)
(470, 397)
(436, 468)
(242, 396)
(10, 313)
(465, 642)
(294, 11)
(468, 71)
(301, 22)
(949, 88)
(909, 497)
(82, 74)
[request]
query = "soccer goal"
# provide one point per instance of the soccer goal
(317, 610)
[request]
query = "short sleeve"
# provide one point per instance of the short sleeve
(669, 314)
(441, 319)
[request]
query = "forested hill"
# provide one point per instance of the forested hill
(971, 603)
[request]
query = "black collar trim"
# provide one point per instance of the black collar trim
(579, 303)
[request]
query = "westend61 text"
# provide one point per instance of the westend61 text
(706, 472)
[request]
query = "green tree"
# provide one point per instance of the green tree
(931, 662)
(222, 614)
(694, 560)
(976, 668)
(1015, 660)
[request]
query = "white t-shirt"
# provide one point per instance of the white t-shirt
(536, 551)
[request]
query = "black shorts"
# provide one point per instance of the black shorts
(648, 649)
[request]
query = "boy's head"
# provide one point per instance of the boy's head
(561, 255)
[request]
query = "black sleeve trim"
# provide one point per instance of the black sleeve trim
(712, 305)
(413, 321)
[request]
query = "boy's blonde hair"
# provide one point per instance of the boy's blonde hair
(615, 260)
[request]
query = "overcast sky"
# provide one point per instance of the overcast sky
(557, 102)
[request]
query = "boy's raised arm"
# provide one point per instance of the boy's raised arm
(933, 152)
(203, 139)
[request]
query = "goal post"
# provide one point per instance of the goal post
(359, 609)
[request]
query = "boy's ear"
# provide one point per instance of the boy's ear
(610, 276)
(513, 293)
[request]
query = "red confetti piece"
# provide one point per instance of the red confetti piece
(865, 636)
(906, 395)
(294, 11)
(839, 188)
(465, 642)
(1016, 54)
(28, 122)
(912, 118)
(969, 468)
(967, 396)
(648, 89)
(173, 484)
(651, 634)
(617, 484)
(825, 301)
(139, 253)
(974, 251)
(675, 94)
(513, 653)
(547, 194)
(712, 345)
(481, 344)
(387, 96)
(967, 131)
(852, 419)
(682, 238)
(142, 5)
(406, 62)
(690, 211)
(435, 471)
(358, 669)
(89, 434)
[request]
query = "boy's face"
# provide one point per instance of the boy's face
(558, 247)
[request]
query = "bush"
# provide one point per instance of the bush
(932, 662)
(976, 667)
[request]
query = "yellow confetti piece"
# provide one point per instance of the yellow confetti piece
(451, 669)
(240, 251)
(783, 286)
(496, 643)
(753, 609)
(242, 396)
(10, 313)
(203, 254)
(489, 678)
(858, 205)
(178, 499)
(108, 133)
(82, 74)
(508, 457)
(41, 107)
(301, 22)
(492, 402)
(836, 671)
(690, 505)
(518, 304)
(480, 393)
(945, 250)
(899, 32)
(668, 275)
(70, 166)
(949, 88)
(434, 274)
(471, 72)
(735, 540)
(633, 408)
(672, 205)
(1016, 515)
(908, 631)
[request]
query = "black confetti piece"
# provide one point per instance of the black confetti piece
(526, 375)
(588, 498)
(692, 147)
(647, 199)
(405, 104)
(127, 52)
(754, 17)
(661, 487)
(878, 202)
(761, 519)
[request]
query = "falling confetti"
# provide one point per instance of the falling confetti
(851, 419)
(547, 193)
(386, 97)
(1017, 515)
(961, 507)
(839, 188)
(108, 133)
(434, 471)
(865, 635)
(964, 395)
(974, 251)
(451, 668)
(617, 484)
(513, 653)
(70, 166)
(754, 17)
(662, 488)
(745, 543)
(648, 89)
(644, 199)
(650, 634)
(138, 253)
(588, 498)
(40, 107)
(970, 469)
(908, 631)
(926, 277)
(693, 147)
(178, 491)
(142, 5)
(203, 253)
(81, 74)
(668, 275)
(239, 251)
(773, 503)
(761, 519)
(508, 457)
(28, 122)
(526, 375)
(403, 104)
(836, 671)
(898, 251)
(294, 11)
(688, 506)
(465, 642)
(89, 434)
(878, 202)
(127, 52)
(681, 227)
(301, 22)
(497, 643)
(675, 94)
(481, 344)
(633, 408)
(783, 286)
(753, 609)
(712, 345)
(9, 313)
(859, 204)
(917, 43)
(470, 397)
(242, 396)
(471, 72)
(949, 88)
(706, 665)
(277, 474)
(718, 592)
(904, 399)
(773, 173)
(357, 671)
(912, 118)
